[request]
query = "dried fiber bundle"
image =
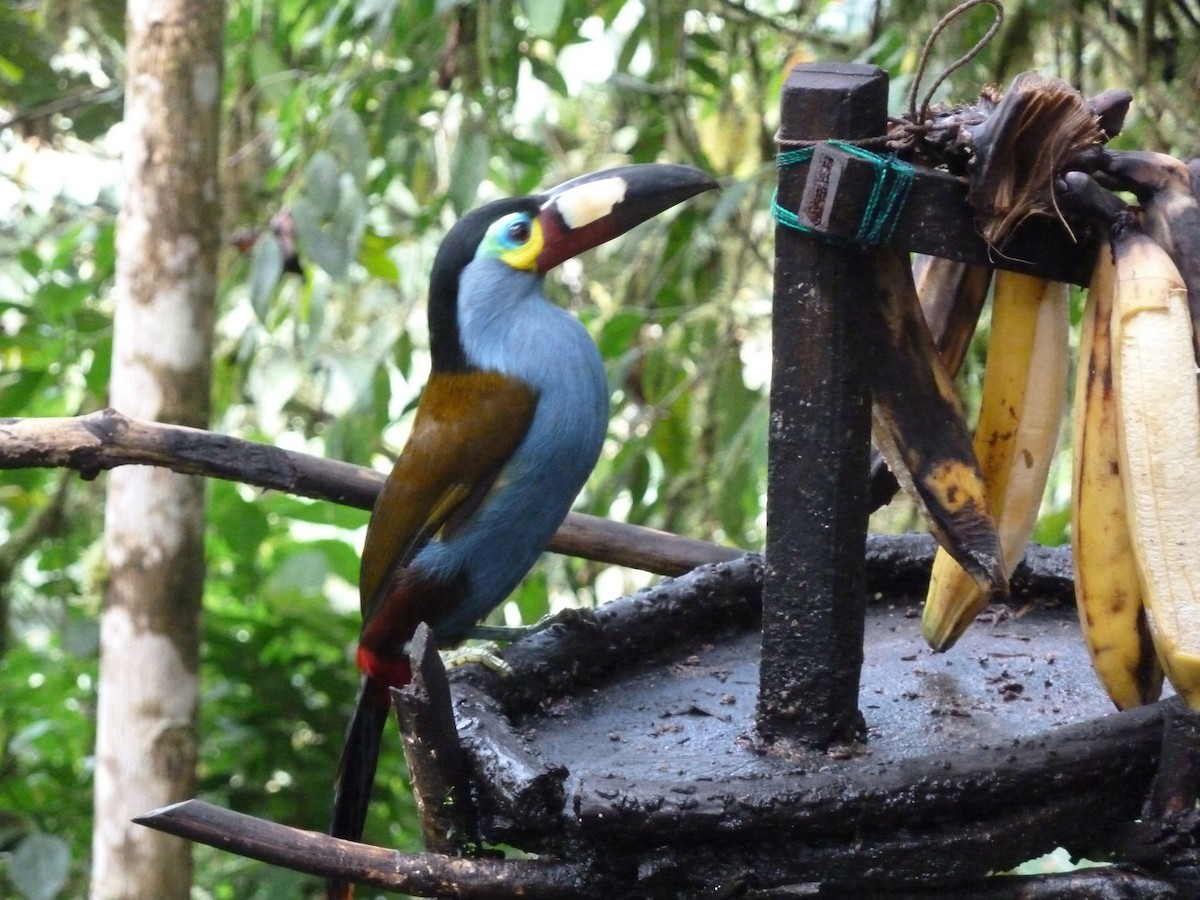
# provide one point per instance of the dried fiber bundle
(1039, 127)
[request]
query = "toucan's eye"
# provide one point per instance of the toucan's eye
(518, 232)
(516, 239)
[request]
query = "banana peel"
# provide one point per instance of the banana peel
(1024, 392)
(952, 295)
(1159, 438)
(918, 426)
(1108, 591)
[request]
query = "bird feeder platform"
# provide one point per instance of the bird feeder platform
(627, 738)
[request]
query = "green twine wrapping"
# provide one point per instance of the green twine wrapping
(893, 178)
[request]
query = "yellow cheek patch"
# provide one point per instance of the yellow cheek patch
(525, 257)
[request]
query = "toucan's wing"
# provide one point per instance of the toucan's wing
(468, 424)
(467, 427)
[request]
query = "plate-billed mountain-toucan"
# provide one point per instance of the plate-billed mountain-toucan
(507, 430)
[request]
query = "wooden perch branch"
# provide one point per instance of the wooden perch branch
(423, 874)
(106, 439)
(437, 765)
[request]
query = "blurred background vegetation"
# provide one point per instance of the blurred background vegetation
(373, 124)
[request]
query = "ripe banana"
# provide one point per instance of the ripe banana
(1108, 593)
(952, 295)
(1024, 390)
(1159, 432)
(918, 426)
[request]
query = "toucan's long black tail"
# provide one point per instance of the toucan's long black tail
(356, 772)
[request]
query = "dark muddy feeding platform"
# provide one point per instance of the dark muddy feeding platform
(635, 747)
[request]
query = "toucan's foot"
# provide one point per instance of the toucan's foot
(507, 635)
(483, 656)
(500, 634)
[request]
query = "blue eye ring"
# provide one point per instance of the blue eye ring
(518, 232)
(516, 239)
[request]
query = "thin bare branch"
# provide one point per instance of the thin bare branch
(423, 874)
(106, 439)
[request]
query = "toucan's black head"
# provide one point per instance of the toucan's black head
(534, 234)
(458, 249)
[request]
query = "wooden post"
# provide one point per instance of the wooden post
(437, 765)
(813, 591)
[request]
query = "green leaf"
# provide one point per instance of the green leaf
(706, 72)
(81, 636)
(321, 182)
(673, 440)
(735, 402)
(341, 558)
(39, 866)
(728, 202)
(350, 143)
(242, 523)
(10, 73)
(352, 438)
(101, 368)
(316, 511)
(1053, 528)
(350, 217)
(269, 72)
(549, 75)
(381, 396)
(620, 332)
(402, 354)
(302, 573)
(318, 243)
(737, 494)
(381, 11)
(28, 737)
(544, 16)
(378, 264)
(17, 390)
(468, 165)
(330, 225)
(532, 597)
(30, 261)
(266, 268)
(639, 479)
(705, 42)
(104, 251)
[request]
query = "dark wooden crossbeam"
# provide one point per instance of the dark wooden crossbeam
(937, 220)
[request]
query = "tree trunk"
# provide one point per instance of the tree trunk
(167, 246)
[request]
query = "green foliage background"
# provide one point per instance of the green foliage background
(375, 123)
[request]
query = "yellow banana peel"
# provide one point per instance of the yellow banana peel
(1159, 431)
(1108, 592)
(1024, 391)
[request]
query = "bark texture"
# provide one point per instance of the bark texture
(167, 247)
